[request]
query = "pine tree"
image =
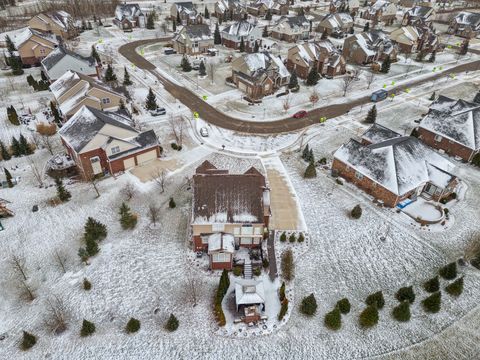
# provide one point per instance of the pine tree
(88, 328)
(310, 171)
(174, 26)
(432, 303)
(207, 14)
(372, 115)
(55, 113)
(172, 204)
(28, 341)
(13, 116)
(16, 148)
(432, 285)
(8, 176)
(455, 288)
(306, 151)
(366, 27)
(62, 193)
(91, 247)
(449, 272)
(126, 77)
(293, 80)
(127, 219)
(405, 294)
(94, 54)
(110, 74)
(150, 22)
(217, 38)
(256, 47)
(151, 101)
(268, 15)
(432, 57)
(283, 237)
(376, 299)
(402, 311)
(202, 71)
(369, 316)
(344, 306)
(433, 96)
(87, 285)
(10, 45)
(95, 230)
(242, 45)
(313, 76)
(265, 31)
(4, 152)
(172, 323)
(25, 146)
(333, 319)
(386, 65)
(133, 325)
(185, 64)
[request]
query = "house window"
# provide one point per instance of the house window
(438, 138)
(204, 240)
(236, 231)
(218, 227)
(258, 231)
(246, 241)
(42, 51)
(221, 257)
(247, 230)
(115, 149)
(358, 175)
(106, 100)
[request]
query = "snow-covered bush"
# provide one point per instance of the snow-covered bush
(455, 288)
(405, 293)
(28, 341)
(133, 325)
(292, 238)
(301, 238)
(432, 303)
(88, 328)
(376, 299)
(283, 237)
(402, 311)
(237, 271)
(356, 212)
(87, 285)
(172, 204)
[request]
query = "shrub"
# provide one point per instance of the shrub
(309, 305)
(95, 230)
(283, 309)
(87, 285)
(265, 263)
(455, 288)
(172, 323)
(127, 219)
(333, 319)
(476, 160)
(46, 129)
(339, 181)
(432, 303)
(287, 265)
(376, 299)
(432, 285)
(449, 272)
(283, 237)
(88, 328)
(356, 212)
(402, 311)
(172, 204)
(281, 292)
(322, 161)
(301, 238)
(369, 316)
(257, 271)
(343, 305)
(292, 238)
(310, 171)
(237, 271)
(405, 293)
(133, 325)
(28, 341)
(219, 315)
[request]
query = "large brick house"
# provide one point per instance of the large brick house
(348, 6)
(59, 61)
(73, 90)
(232, 10)
(229, 211)
(418, 15)
(129, 16)
(452, 126)
(186, 12)
(380, 11)
(410, 39)
(337, 24)
(259, 74)
(33, 46)
(106, 142)
(367, 47)
(58, 23)
(233, 34)
(193, 39)
(259, 8)
(322, 54)
(291, 29)
(393, 168)
(465, 24)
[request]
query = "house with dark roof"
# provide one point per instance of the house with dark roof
(232, 10)
(234, 34)
(106, 142)
(33, 46)
(418, 15)
(291, 29)
(465, 24)
(58, 23)
(344, 6)
(129, 16)
(59, 61)
(259, 8)
(186, 12)
(228, 206)
(396, 169)
(452, 127)
(367, 47)
(322, 54)
(410, 39)
(380, 11)
(193, 39)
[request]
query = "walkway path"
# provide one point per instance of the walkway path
(272, 260)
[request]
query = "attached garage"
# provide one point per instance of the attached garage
(129, 163)
(148, 156)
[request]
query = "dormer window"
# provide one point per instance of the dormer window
(115, 150)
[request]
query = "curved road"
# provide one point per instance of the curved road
(210, 114)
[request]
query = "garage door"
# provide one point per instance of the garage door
(129, 163)
(143, 158)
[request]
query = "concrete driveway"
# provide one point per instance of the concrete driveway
(153, 168)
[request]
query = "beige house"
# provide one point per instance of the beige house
(410, 39)
(291, 29)
(367, 47)
(58, 23)
(337, 24)
(193, 39)
(33, 46)
(74, 90)
(380, 11)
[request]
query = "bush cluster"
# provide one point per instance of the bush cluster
(405, 293)
(402, 311)
(449, 272)
(309, 305)
(376, 299)
(432, 303)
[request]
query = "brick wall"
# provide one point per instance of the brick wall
(220, 265)
(450, 147)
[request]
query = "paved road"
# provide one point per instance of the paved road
(210, 114)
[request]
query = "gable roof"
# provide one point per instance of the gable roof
(221, 197)
(337, 20)
(468, 18)
(400, 164)
(195, 32)
(46, 40)
(59, 53)
(423, 12)
(239, 28)
(128, 11)
(371, 42)
(60, 18)
(378, 133)
(256, 64)
(70, 79)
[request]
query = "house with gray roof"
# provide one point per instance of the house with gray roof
(60, 60)
(380, 11)
(193, 39)
(186, 12)
(367, 47)
(103, 143)
(239, 31)
(291, 29)
(129, 16)
(233, 10)
(465, 24)
(418, 15)
(337, 24)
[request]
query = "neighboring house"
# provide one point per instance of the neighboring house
(33, 46)
(418, 14)
(396, 169)
(73, 90)
(61, 60)
(452, 126)
(380, 11)
(193, 39)
(259, 74)
(261, 7)
(225, 207)
(291, 29)
(129, 16)
(58, 23)
(233, 34)
(412, 3)
(410, 39)
(107, 143)
(232, 10)
(367, 47)
(187, 13)
(322, 54)
(465, 24)
(337, 24)
(348, 6)
(250, 300)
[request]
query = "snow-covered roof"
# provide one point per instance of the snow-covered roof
(295, 23)
(257, 63)
(220, 242)
(337, 20)
(239, 28)
(378, 133)
(224, 5)
(59, 53)
(128, 11)
(22, 37)
(195, 33)
(422, 12)
(400, 164)
(457, 120)
(249, 292)
(468, 18)
(311, 51)
(371, 42)
(61, 18)
(378, 5)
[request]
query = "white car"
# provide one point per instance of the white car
(204, 132)
(158, 111)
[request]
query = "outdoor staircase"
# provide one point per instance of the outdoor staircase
(247, 269)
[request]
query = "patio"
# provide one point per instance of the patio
(424, 211)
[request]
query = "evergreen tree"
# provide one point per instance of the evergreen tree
(110, 74)
(433, 96)
(25, 146)
(10, 45)
(88, 328)
(30, 80)
(344, 306)
(174, 26)
(432, 303)
(449, 272)
(95, 230)
(13, 116)
(4, 152)
(455, 288)
(386, 65)
(256, 47)
(402, 311)
(369, 316)
(207, 14)
(313, 76)
(133, 325)
(310, 171)
(366, 27)
(333, 319)
(372, 115)
(91, 247)
(126, 77)
(306, 151)
(16, 148)
(55, 113)
(185, 64)
(127, 219)
(283, 237)
(150, 22)
(356, 213)
(179, 21)
(242, 45)
(432, 57)
(43, 76)
(87, 285)
(8, 176)
(172, 204)
(432, 285)
(405, 294)
(265, 31)
(268, 15)
(202, 71)
(94, 54)
(309, 305)
(172, 323)
(217, 38)
(28, 341)
(376, 299)
(151, 101)
(62, 193)
(293, 80)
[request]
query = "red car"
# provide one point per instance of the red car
(300, 114)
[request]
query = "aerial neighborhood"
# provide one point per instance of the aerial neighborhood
(178, 176)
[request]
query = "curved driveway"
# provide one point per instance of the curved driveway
(210, 114)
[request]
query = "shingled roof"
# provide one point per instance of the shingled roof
(221, 197)
(59, 53)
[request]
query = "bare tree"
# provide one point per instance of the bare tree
(56, 318)
(370, 78)
(286, 103)
(60, 259)
(473, 248)
(19, 267)
(89, 177)
(20, 277)
(129, 191)
(177, 126)
(347, 83)
(314, 97)
(212, 69)
(37, 173)
(160, 179)
(153, 213)
(164, 27)
(192, 287)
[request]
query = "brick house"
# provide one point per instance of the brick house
(348, 6)
(291, 29)
(58, 23)
(259, 8)
(33, 46)
(60, 60)
(233, 10)
(187, 13)
(394, 169)
(129, 16)
(233, 34)
(259, 74)
(228, 207)
(336, 24)
(418, 15)
(380, 11)
(107, 143)
(452, 126)
(73, 90)
(465, 24)
(367, 47)
(193, 39)
(410, 39)
(322, 54)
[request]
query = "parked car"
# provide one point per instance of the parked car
(212, 52)
(204, 132)
(300, 114)
(158, 111)
(169, 51)
(379, 95)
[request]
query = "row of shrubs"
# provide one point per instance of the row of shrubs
(292, 238)
(221, 291)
